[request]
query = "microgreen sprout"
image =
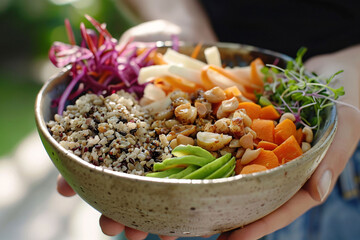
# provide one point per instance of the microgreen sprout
(303, 94)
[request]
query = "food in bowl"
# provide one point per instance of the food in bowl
(135, 105)
(180, 207)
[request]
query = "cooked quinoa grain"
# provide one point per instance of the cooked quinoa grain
(113, 132)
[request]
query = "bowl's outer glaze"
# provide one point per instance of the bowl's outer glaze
(183, 207)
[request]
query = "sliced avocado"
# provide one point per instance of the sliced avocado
(183, 150)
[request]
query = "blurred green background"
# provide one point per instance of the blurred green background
(28, 30)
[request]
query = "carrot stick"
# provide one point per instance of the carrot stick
(94, 74)
(232, 92)
(196, 50)
(284, 130)
(165, 86)
(180, 83)
(255, 73)
(140, 51)
(288, 150)
(157, 58)
(207, 83)
(234, 78)
(103, 77)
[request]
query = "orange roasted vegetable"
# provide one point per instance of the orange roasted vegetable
(288, 150)
(232, 92)
(180, 83)
(252, 109)
(267, 145)
(284, 130)
(269, 113)
(264, 129)
(299, 136)
(266, 158)
(252, 168)
(255, 75)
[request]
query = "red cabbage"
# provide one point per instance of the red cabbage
(100, 64)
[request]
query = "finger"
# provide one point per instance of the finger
(206, 236)
(340, 151)
(64, 188)
(224, 236)
(287, 213)
(162, 237)
(110, 227)
(133, 234)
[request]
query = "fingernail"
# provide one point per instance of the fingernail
(324, 184)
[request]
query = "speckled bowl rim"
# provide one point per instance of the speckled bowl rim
(41, 125)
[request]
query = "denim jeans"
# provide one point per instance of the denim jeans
(336, 219)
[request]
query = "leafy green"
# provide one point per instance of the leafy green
(295, 90)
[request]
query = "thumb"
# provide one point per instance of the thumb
(343, 146)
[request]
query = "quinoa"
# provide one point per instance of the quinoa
(113, 132)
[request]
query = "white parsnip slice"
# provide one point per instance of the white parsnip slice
(174, 57)
(212, 56)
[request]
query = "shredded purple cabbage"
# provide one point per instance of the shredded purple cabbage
(100, 64)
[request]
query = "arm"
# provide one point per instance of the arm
(187, 14)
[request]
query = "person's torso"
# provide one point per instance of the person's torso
(322, 26)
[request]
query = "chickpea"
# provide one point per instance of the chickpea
(179, 94)
(186, 113)
(222, 125)
(230, 105)
(215, 95)
(184, 140)
(226, 107)
(173, 143)
(241, 113)
(237, 127)
(164, 115)
(202, 109)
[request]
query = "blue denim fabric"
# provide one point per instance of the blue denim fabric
(336, 219)
(156, 237)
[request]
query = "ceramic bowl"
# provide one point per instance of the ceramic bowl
(183, 207)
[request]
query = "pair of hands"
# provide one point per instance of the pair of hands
(318, 187)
